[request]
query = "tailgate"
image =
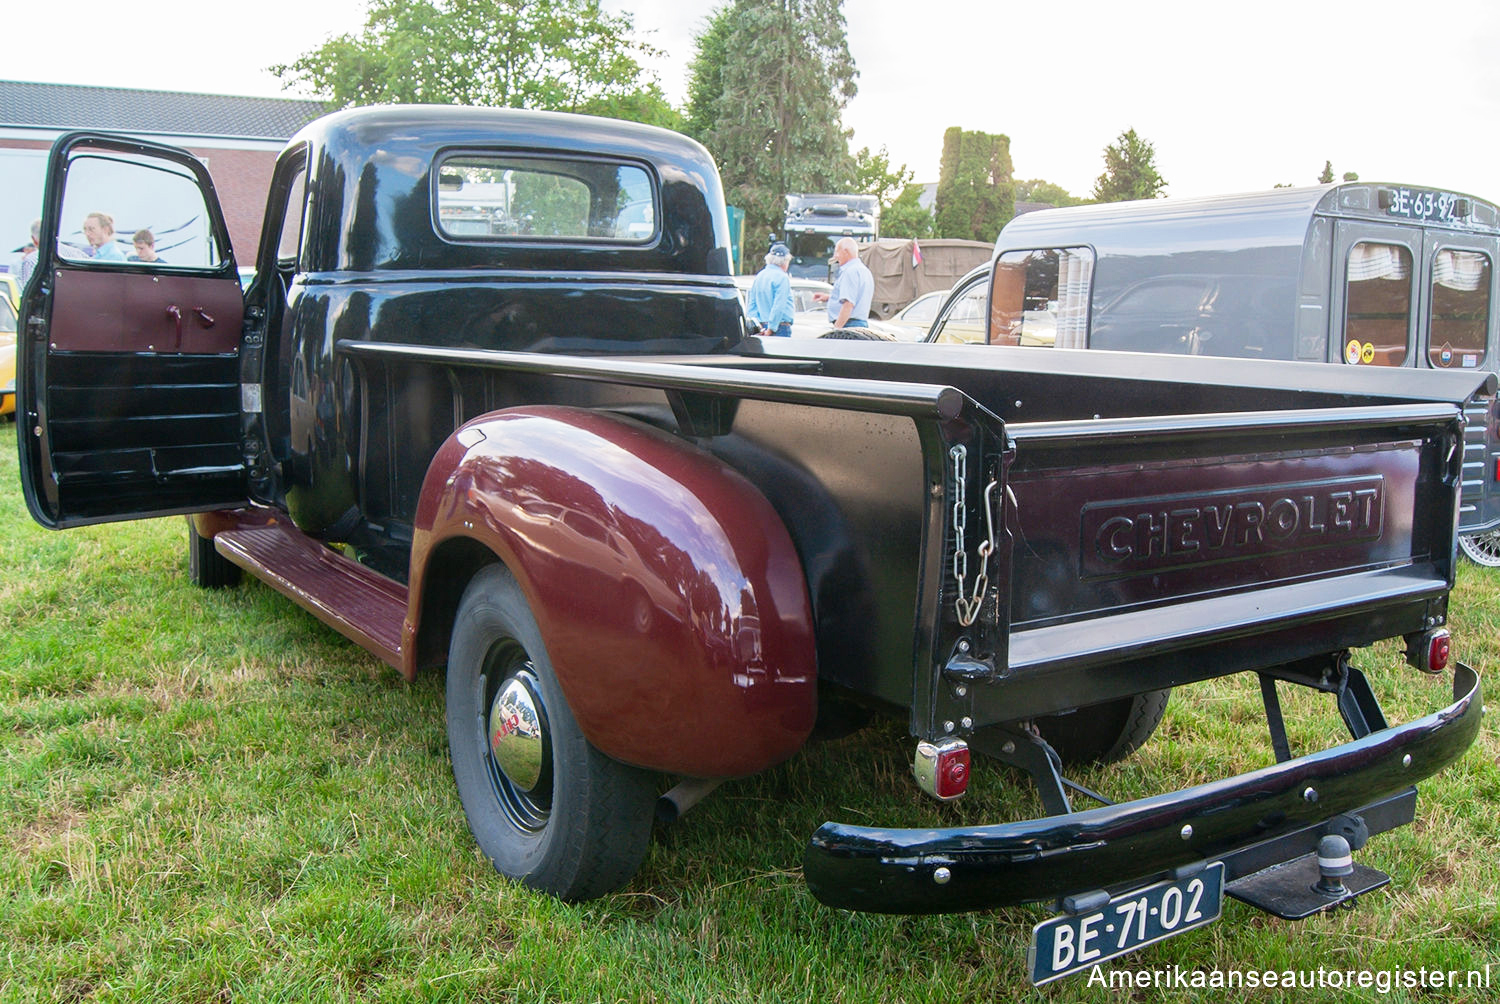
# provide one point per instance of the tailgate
(1137, 537)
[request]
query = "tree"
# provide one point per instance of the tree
(1326, 178)
(1129, 171)
(907, 217)
(1350, 176)
(566, 55)
(705, 90)
(975, 194)
(1037, 190)
(873, 175)
(766, 95)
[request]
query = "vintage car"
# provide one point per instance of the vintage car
(651, 551)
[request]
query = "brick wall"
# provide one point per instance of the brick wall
(242, 178)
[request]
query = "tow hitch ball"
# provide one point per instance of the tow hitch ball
(1323, 880)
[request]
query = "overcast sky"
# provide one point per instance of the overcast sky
(1233, 96)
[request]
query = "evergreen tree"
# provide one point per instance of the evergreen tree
(1129, 171)
(767, 93)
(1326, 178)
(705, 90)
(976, 193)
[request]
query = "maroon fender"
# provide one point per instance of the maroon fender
(671, 599)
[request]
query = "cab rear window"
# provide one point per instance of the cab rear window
(503, 197)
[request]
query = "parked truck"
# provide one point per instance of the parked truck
(814, 223)
(645, 544)
(1353, 274)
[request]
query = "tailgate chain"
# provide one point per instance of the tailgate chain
(966, 606)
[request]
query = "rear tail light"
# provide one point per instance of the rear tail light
(1430, 652)
(942, 768)
(1439, 649)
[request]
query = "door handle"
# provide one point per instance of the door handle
(205, 319)
(175, 312)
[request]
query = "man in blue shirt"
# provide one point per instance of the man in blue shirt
(849, 303)
(770, 299)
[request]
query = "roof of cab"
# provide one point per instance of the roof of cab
(372, 170)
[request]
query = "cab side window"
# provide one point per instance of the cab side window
(1378, 304)
(119, 211)
(1460, 309)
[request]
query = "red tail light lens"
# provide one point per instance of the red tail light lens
(1439, 650)
(953, 774)
(942, 768)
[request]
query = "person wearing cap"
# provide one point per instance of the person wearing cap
(770, 300)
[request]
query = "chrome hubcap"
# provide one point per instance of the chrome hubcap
(518, 739)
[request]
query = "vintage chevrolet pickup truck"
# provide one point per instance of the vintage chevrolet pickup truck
(489, 403)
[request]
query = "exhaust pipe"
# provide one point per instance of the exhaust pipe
(671, 806)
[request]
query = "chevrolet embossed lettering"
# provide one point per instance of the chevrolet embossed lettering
(1151, 534)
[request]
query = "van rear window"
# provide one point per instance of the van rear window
(1378, 303)
(1460, 309)
(1041, 297)
(490, 196)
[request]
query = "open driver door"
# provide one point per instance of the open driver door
(129, 398)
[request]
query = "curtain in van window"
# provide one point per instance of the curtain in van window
(1378, 261)
(1465, 271)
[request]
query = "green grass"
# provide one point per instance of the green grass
(208, 796)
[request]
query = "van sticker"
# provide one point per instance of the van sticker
(1351, 353)
(1367, 353)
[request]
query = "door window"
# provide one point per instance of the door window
(1460, 309)
(1378, 304)
(289, 243)
(118, 210)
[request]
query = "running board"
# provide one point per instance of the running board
(363, 606)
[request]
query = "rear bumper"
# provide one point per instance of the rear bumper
(975, 868)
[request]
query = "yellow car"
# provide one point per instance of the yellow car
(10, 289)
(7, 354)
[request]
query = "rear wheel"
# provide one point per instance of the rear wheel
(207, 567)
(545, 806)
(1104, 733)
(1482, 548)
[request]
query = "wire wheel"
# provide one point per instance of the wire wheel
(1482, 548)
